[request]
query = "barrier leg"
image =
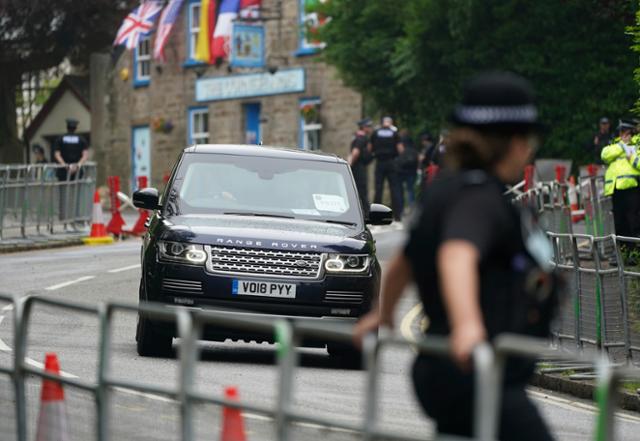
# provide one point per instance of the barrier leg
(287, 357)
(488, 392)
(188, 353)
(370, 351)
(605, 398)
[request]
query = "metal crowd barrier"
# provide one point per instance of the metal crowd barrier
(42, 198)
(601, 271)
(488, 362)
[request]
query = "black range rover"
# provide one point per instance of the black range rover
(266, 230)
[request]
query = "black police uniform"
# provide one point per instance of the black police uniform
(384, 142)
(359, 168)
(71, 145)
(446, 392)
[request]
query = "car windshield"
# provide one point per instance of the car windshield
(260, 186)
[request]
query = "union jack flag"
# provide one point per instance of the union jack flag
(167, 20)
(138, 22)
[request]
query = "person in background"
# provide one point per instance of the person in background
(408, 163)
(385, 146)
(359, 160)
(602, 138)
(70, 150)
(472, 257)
(425, 149)
(39, 155)
(621, 181)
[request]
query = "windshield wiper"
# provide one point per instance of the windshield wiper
(339, 222)
(244, 213)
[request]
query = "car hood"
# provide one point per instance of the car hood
(270, 233)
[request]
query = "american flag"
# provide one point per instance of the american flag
(138, 22)
(167, 20)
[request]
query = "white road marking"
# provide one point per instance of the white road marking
(577, 406)
(145, 395)
(39, 365)
(8, 308)
(3, 345)
(71, 282)
(125, 268)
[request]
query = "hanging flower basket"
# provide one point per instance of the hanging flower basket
(310, 113)
(161, 125)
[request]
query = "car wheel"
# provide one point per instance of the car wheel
(346, 355)
(150, 342)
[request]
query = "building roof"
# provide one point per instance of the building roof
(76, 84)
(263, 151)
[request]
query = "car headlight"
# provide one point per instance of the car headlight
(347, 263)
(182, 252)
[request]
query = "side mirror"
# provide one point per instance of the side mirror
(146, 198)
(380, 215)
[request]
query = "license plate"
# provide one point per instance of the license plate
(264, 289)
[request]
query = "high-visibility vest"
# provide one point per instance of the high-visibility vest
(622, 172)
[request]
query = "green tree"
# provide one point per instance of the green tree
(412, 62)
(39, 34)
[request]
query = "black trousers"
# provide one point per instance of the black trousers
(386, 170)
(626, 212)
(360, 177)
(446, 395)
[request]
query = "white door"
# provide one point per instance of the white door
(141, 155)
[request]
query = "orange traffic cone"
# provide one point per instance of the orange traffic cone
(52, 421)
(576, 214)
(232, 423)
(98, 231)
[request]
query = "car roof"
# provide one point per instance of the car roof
(262, 151)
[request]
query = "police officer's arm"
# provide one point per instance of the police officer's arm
(355, 154)
(85, 157)
(399, 144)
(56, 152)
(460, 285)
(398, 276)
(611, 152)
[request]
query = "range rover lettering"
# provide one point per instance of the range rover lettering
(269, 231)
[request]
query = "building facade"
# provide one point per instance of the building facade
(145, 112)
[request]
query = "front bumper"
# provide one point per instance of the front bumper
(311, 302)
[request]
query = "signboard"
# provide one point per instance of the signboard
(248, 46)
(250, 85)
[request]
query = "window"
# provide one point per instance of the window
(142, 60)
(193, 26)
(310, 125)
(308, 22)
(199, 125)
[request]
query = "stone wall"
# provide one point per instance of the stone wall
(171, 93)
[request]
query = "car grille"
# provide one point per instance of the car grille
(255, 262)
(351, 297)
(182, 286)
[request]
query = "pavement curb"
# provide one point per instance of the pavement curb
(581, 389)
(32, 246)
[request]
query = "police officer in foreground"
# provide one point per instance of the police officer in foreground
(472, 258)
(386, 146)
(70, 150)
(359, 159)
(621, 181)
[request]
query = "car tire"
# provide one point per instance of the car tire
(149, 341)
(346, 355)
